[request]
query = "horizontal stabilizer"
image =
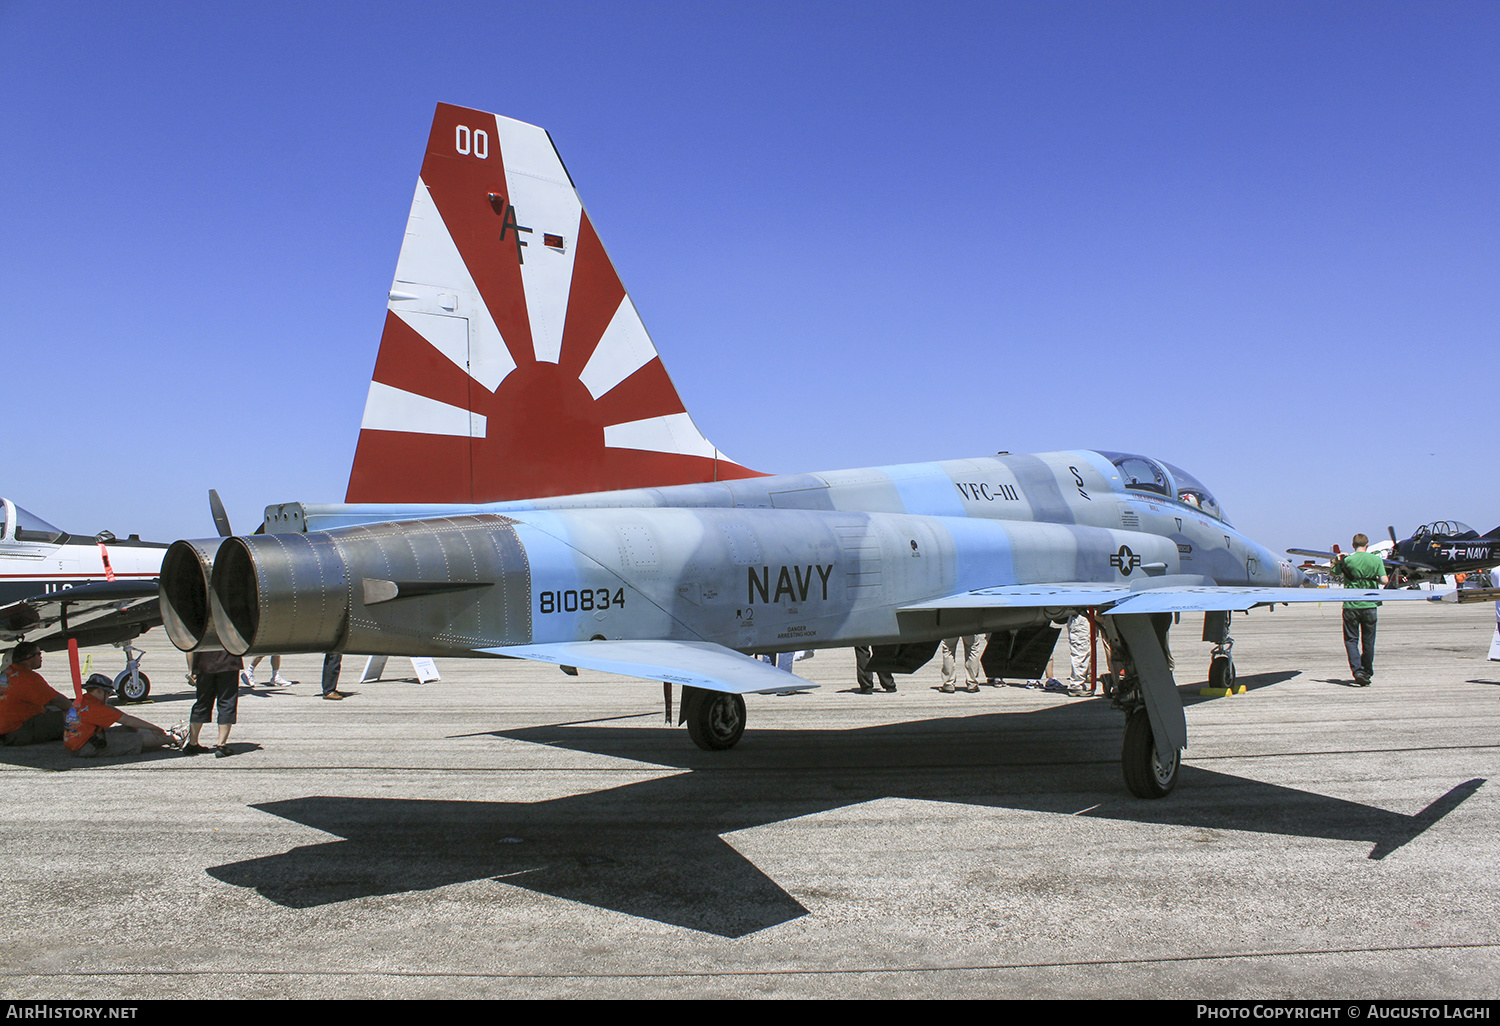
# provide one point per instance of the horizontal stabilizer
(698, 664)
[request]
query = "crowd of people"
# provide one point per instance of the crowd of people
(1081, 678)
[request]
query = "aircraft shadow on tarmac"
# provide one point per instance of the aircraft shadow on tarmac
(654, 849)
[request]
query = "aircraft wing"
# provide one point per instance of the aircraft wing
(698, 664)
(1205, 600)
(1181, 594)
(1029, 596)
(1393, 562)
(93, 613)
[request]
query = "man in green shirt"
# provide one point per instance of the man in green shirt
(1360, 569)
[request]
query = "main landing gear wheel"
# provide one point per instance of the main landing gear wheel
(132, 690)
(715, 720)
(1145, 773)
(1221, 672)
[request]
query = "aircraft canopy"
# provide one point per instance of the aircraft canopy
(1142, 474)
(1192, 492)
(1447, 529)
(30, 527)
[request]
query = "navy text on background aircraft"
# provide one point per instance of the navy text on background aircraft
(528, 483)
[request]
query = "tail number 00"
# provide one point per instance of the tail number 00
(476, 141)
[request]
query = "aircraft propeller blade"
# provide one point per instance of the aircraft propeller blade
(1392, 531)
(221, 519)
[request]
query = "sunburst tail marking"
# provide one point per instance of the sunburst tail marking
(513, 364)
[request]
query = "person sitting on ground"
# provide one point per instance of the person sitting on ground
(92, 729)
(31, 711)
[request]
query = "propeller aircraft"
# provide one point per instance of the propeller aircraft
(1432, 553)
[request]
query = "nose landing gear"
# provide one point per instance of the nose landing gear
(1221, 660)
(131, 684)
(1221, 671)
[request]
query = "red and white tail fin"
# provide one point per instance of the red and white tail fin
(513, 364)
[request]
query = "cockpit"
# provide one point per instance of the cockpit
(17, 524)
(1455, 529)
(1141, 474)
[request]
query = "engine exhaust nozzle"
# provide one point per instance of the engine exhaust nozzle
(280, 593)
(186, 612)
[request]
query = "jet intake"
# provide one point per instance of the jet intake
(186, 612)
(280, 593)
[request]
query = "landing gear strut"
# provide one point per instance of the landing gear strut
(1221, 671)
(715, 720)
(1221, 660)
(131, 684)
(1143, 689)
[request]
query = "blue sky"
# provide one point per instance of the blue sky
(1260, 241)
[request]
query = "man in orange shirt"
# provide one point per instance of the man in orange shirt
(92, 729)
(30, 710)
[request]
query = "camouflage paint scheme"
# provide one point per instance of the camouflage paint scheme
(817, 560)
(515, 372)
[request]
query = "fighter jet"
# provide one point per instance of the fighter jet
(528, 483)
(95, 589)
(1433, 552)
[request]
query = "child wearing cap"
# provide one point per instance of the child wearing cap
(92, 728)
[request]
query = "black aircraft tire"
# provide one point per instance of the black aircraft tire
(715, 720)
(136, 693)
(1221, 672)
(1144, 774)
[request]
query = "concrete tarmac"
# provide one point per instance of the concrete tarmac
(513, 832)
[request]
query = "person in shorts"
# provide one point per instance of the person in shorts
(216, 678)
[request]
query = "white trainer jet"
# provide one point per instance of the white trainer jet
(97, 589)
